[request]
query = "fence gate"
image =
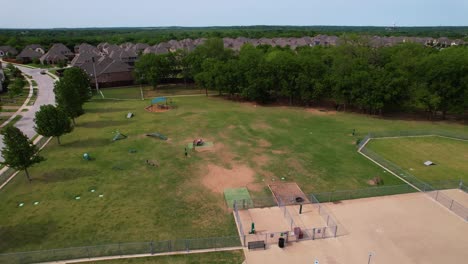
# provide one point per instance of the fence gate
(318, 233)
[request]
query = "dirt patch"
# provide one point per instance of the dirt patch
(261, 160)
(287, 193)
(264, 143)
(156, 109)
(231, 127)
(223, 153)
(316, 111)
(278, 152)
(218, 178)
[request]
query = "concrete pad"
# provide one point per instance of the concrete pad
(404, 229)
(458, 195)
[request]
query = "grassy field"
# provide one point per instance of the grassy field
(227, 257)
(450, 156)
(142, 203)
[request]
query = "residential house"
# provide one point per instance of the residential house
(137, 48)
(85, 47)
(56, 54)
(109, 72)
(7, 51)
(83, 57)
(36, 47)
(29, 54)
(127, 56)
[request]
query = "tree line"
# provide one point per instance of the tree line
(354, 75)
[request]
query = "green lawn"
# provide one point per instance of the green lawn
(450, 156)
(227, 257)
(143, 203)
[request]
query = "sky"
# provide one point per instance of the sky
(157, 13)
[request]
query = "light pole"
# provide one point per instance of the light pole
(370, 257)
(95, 76)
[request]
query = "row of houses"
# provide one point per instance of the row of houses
(129, 52)
(57, 53)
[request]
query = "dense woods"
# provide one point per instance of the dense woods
(400, 78)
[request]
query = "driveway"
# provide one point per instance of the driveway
(45, 96)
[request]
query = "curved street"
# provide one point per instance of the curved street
(45, 84)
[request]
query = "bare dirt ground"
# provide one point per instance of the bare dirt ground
(458, 195)
(155, 109)
(404, 229)
(218, 178)
(287, 192)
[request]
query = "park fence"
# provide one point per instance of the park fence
(430, 188)
(120, 249)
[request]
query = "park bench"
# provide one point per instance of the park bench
(256, 244)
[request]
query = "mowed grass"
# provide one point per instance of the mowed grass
(143, 203)
(227, 257)
(449, 155)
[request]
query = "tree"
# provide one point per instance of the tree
(80, 81)
(16, 87)
(52, 122)
(152, 68)
(19, 152)
(72, 91)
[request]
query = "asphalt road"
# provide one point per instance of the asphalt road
(45, 96)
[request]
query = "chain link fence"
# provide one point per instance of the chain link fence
(430, 188)
(120, 249)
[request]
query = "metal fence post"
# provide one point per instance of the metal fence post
(328, 218)
(437, 194)
(87, 251)
(451, 205)
(187, 245)
(152, 247)
(336, 230)
(329, 197)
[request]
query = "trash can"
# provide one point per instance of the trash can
(281, 242)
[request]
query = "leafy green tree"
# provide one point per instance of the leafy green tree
(152, 68)
(213, 48)
(72, 91)
(80, 81)
(68, 99)
(16, 87)
(19, 152)
(52, 122)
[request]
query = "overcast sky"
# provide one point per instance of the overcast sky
(146, 13)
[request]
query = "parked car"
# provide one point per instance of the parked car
(43, 71)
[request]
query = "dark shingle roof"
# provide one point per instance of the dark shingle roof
(29, 53)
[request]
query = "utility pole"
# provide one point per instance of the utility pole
(95, 76)
(370, 257)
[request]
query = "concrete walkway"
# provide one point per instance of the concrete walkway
(45, 96)
(143, 255)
